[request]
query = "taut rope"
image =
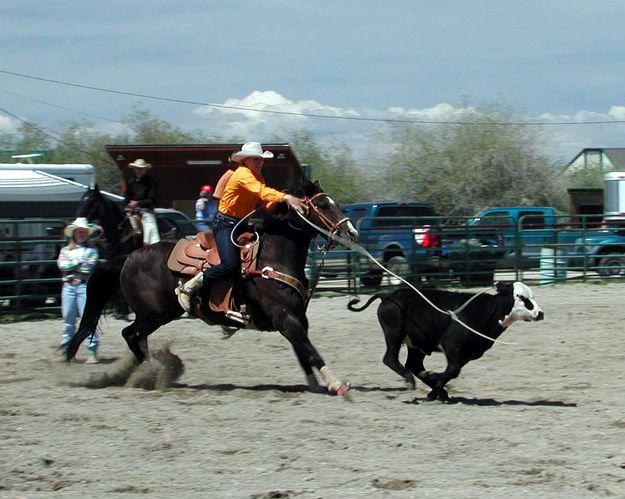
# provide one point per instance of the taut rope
(362, 251)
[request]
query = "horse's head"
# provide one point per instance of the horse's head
(324, 213)
(88, 204)
(93, 205)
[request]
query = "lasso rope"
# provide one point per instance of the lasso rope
(240, 246)
(452, 313)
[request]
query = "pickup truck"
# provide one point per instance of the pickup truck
(406, 239)
(603, 251)
(524, 231)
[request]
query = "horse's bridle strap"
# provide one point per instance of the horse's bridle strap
(329, 225)
(270, 273)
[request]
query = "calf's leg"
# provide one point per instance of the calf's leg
(391, 358)
(414, 362)
(439, 380)
(390, 318)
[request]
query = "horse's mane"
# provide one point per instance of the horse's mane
(282, 218)
(111, 208)
(107, 209)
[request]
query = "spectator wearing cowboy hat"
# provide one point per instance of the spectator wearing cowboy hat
(76, 262)
(141, 195)
(243, 191)
(205, 207)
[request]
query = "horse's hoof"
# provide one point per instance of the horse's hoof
(343, 389)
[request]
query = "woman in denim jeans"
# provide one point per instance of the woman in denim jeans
(76, 261)
(244, 190)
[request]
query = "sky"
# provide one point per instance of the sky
(559, 61)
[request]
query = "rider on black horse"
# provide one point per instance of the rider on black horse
(244, 190)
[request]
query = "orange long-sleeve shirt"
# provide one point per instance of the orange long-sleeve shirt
(244, 191)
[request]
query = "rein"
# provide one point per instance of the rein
(450, 313)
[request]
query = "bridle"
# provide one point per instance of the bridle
(328, 224)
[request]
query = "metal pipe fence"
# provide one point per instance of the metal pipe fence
(467, 255)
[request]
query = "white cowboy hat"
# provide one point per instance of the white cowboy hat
(79, 223)
(139, 163)
(250, 150)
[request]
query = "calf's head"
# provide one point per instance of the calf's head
(524, 308)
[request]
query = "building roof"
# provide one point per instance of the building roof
(616, 155)
(180, 169)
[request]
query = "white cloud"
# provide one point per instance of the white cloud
(617, 112)
(111, 128)
(565, 140)
(7, 125)
(279, 107)
(438, 112)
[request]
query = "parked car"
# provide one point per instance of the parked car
(174, 224)
(602, 250)
(525, 232)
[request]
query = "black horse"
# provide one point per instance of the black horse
(274, 305)
(120, 238)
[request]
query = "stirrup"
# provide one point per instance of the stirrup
(243, 319)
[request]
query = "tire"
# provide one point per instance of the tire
(612, 265)
(398, 265)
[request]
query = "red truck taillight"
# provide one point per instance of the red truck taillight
(426, 238)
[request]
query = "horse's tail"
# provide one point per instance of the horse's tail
(353, 302)
(102, 285)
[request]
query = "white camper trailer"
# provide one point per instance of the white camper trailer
(614, 197)
(82, 174)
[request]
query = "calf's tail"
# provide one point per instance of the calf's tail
(102, 285)
(353, 302)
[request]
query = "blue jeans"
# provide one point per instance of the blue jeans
(229, 254)
(73, 299)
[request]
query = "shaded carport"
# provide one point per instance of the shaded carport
(180, 169)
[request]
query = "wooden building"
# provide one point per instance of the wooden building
(181, 169)
(589, 201)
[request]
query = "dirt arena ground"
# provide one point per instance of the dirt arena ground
(544, 417)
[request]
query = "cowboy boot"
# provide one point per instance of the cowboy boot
(185, 291)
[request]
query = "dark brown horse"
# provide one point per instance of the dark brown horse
(118, 238)
(274, 305)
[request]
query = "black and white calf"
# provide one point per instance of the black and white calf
(407, 318)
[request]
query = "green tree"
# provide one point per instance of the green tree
(332, 165)
(589, 177)
(81, 143)
(460, 169)
(30, 138)
(145, 128)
